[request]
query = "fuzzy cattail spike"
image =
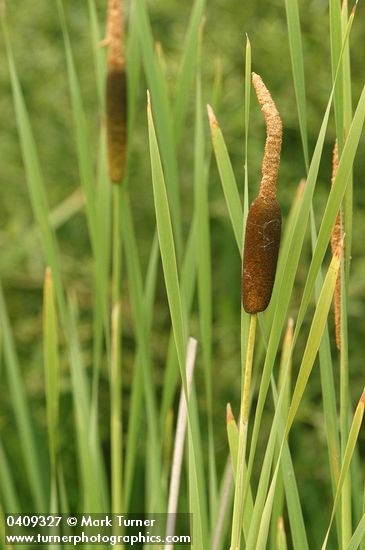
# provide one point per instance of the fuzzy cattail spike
(335, 242)
(115, 34)
(116, 92)
(263, 226)
(274, 132)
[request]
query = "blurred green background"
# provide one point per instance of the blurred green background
(39, 54)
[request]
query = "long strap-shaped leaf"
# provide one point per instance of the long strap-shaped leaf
(162, 110)
(351, 442)
(142, 326)
(168, 256)
(358, 535)
(24, 423)
(187, 68)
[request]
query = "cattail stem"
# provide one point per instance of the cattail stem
(116, 370)
(117, 244)
(242, 437)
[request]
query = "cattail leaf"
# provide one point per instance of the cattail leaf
(188, 275)
(188, 280)
(295, 513)
(92, 478)
(358, 536)
(187, 68)
(85, 162)
(134, 69)
(204, 269)
(98, 53)
(51, 364)
(227, 177)
(82, 140)
(168, 256)
(23, 419)
(328, 392)
(167, 246)
(8, 490)
(336, 59)
(34, 177)
(347, 118)
(59, 215)
(163, 116)
(350, 446)
(334, 201)
(297, 61)
(142, 324)
(232, 432)
(136, 407)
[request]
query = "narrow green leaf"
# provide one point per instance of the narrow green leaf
(336, 42)
(142, 317)
(227, 177)
(163, 117)
(351, 442)
(51, 365)
(22, 412)
(168, 256)
(34, 176)
(358, 535)
(9, 495)
(232, 432)
(187, 68)
(92, 480)
(297, 61)
(334, 201)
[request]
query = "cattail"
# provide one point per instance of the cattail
(116, 92)
(263, 227)
(335, 241)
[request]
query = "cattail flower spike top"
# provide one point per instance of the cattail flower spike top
(116, 92)
(263, 226)
(336, 238)
(115, 34)
(274, 132)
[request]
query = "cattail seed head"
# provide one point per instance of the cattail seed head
(116, 92)
(263, 228)
(335, 243)
(262, 241)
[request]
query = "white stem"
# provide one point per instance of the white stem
(223, 505)
(179, 443)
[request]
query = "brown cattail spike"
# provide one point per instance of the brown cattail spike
(274, 132)
(116, 92)
(335, 242)
(263, 226)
